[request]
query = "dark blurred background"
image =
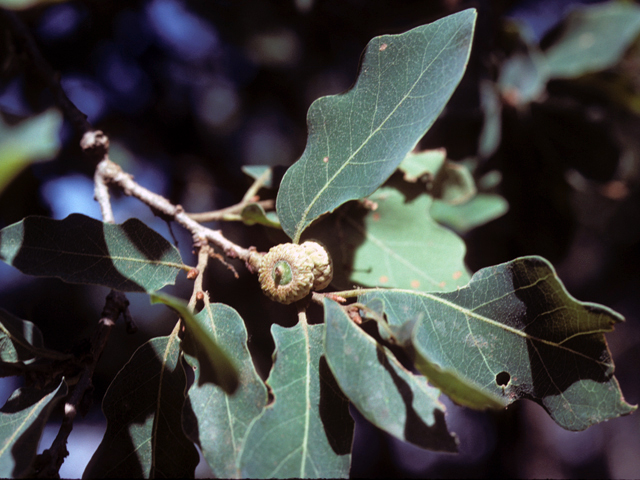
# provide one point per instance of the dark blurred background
(190, 91)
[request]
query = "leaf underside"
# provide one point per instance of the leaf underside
(21, 344)
(395, 245)
(216, 421)
(129, 257)
(200, 342)
(143, 406)
(357, 139)
(388, 395)
(22, 420)
(513, 332)
(20, 340)
(307, 431)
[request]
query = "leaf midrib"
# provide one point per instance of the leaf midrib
(299, 226)
(156, 419)
(515, 331)
(102, 257)
(34, 410)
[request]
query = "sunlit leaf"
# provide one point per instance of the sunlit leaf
(32, 140)
(143, 406)
(491, 105)
(216, 421)
(523, 78)
(514, 332)
(129, 257)
(254, 213)
(356, 140)
(396, 245)
(273, 178)
(215, 365)
(422, 165)
(481, 209)
(388, 395)
(307, 431)
(595, 37)
(22, 420)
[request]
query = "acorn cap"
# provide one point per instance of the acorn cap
(286, 273)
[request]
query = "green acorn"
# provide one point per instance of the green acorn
(288, 272)
(322, 265)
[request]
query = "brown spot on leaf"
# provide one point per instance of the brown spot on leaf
(383, 47)
(325, 159)
(383, 279)
(376, 217)
(456, 275)
(415, 283)
(442, 284)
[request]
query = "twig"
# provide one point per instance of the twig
(256, 186)
(198, 292)
(319, 297)
(50, 461)
(95, 143)
(113, 174)
(343, 295)
(232, 213)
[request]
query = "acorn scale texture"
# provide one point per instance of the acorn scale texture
(286, 273)
(322, 265)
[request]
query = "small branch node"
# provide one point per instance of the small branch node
(193, 273)
(95, 144)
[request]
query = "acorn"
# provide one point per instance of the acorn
(288, 272)
(322, 265)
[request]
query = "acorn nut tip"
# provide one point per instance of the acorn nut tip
(322, 265)
(288, 272)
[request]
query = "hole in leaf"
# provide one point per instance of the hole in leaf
(503, 379)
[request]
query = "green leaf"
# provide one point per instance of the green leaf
(23, 4)
(214, 420)
(397, 245)
(454, 184)
(273, 178)
(523, 77)
(307, 431)
(33, 140)
(595, 37)
(514, 332)
(254, 213)
(22, 420)
(143, 406)
(129, 257)
(215, 365)
(392, 398)
(20, 339)
(481, 209)
(425, 164)
(356, 140)
(447, 181)
(21, 343)
(491, 105)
